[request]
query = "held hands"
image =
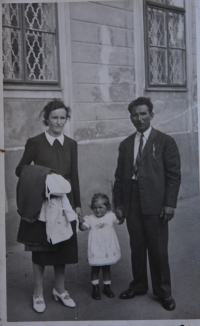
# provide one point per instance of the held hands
(121, 221)
(167, 213)
(119, 214)
(79, 213)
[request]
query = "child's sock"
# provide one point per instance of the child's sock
(95, 282)
(106, 282)
(95, 290)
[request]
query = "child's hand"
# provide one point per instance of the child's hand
(82, 227)
(80, 218)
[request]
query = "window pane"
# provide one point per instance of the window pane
(157, 66)
(177, 3)
(10, 14)
(41, 56)
(40, 16)
(177, 67)
(176, 30)
(157, 27)
(30, 28)
(41, 51)
(11, 42)
(166, 55)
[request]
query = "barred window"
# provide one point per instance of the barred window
(165, 41)
(29, 39)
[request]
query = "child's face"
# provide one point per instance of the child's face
(99, 208)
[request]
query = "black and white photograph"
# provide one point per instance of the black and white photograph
(99, 157)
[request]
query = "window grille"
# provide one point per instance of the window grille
(166, 50)
(29, 43)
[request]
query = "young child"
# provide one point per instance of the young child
(103, 245)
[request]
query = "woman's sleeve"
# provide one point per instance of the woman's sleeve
(27, 158)
(74, 176)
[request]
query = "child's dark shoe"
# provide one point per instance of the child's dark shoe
(107, 291)
(95, 292)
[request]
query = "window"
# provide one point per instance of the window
(29, 43)
(165, 40)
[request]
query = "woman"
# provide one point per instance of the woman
(58, 152)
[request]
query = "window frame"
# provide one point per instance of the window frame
(22, 29)
(167, 8)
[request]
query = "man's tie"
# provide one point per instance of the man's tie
(140, 149)
(138, 158)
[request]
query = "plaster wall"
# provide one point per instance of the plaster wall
(102, 68)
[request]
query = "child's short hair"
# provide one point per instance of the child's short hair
(101, 196)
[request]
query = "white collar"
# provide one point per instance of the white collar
(51, 138)
(146, 133)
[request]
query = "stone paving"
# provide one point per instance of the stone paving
(184, 253)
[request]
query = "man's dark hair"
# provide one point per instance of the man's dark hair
(141, 101)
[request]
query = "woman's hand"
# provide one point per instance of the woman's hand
(79, 213)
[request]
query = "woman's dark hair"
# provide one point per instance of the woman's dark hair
(54, 105)
(141, 101)
(101, 196)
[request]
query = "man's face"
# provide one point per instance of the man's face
(141, 117)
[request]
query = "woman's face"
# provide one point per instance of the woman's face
(57, 119)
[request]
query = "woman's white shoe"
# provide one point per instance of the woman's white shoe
(65, 298)
(38, 303)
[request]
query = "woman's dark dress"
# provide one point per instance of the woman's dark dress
(63, 160)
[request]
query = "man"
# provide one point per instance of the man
(147, 181)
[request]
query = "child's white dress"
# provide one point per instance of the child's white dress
(103, 245)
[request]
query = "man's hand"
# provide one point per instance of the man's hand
(121, 220)
(119, 212)
(79, 213)
(167, 213)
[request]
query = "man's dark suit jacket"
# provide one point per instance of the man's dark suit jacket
(158, 173)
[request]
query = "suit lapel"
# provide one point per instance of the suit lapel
(148, 147)
(130, 146)
(149, 144)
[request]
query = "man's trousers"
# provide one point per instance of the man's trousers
(148, 234)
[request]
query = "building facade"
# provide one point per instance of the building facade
(97, 57)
